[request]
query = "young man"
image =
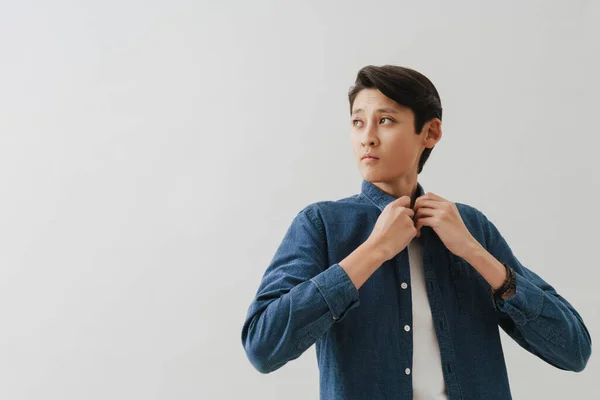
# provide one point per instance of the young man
(403, 291)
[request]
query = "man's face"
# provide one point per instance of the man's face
(387, 130)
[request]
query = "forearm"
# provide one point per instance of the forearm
(299, 297)
(281, 326)
(362, 263)
(535, 315)
(546, 324)
(488, 266)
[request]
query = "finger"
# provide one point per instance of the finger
(425, 212)
(421, 222)
(425, 203)
(435, 197)
(431, 196)
(403, 201)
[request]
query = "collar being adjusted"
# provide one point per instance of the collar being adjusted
(380, 198)
(432, 245)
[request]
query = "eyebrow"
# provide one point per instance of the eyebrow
(379, 110)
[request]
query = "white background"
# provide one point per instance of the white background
(152, 155)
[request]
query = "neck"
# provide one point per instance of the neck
(401, 186)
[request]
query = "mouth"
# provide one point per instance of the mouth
(370, 158)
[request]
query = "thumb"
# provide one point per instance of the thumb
(403, 201)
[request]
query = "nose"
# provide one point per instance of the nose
(369, 136)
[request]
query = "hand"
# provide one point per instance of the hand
(394, 229)
(443, 216)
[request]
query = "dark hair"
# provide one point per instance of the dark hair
(406, 87)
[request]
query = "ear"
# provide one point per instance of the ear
(433, 132)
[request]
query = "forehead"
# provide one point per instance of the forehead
(372, 98)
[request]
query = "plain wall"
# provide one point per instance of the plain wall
(153, 154)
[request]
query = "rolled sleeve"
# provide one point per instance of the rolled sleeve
(537, 317)
(525, 305)
(337, 289)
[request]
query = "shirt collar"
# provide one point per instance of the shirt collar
(379, 197)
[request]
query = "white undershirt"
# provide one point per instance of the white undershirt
(427, 377)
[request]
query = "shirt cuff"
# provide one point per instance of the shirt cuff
(337, 289)
(526, 304)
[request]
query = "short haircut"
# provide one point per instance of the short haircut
(405, 86)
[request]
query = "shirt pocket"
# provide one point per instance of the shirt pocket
(472, 290)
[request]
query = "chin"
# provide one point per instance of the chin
(373, 176)
(380, 175)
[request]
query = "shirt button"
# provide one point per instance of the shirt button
(406, 328)
(404, 285)
(407, 371)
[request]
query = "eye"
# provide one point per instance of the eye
(355, 122)
(389, 119)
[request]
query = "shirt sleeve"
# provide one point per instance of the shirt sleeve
(299, 298)
(536, 316)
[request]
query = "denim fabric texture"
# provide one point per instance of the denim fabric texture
(363, 352)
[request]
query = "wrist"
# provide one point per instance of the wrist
(471, 250)
(375, 251)
(362, 263)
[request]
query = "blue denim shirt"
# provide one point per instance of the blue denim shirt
(306, 298)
